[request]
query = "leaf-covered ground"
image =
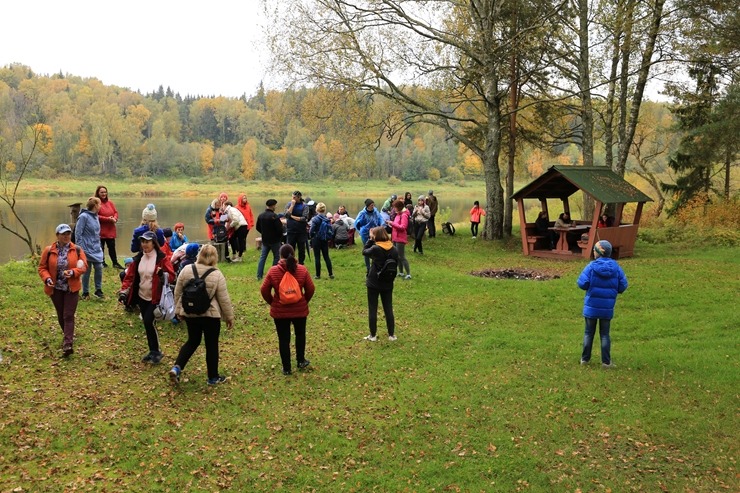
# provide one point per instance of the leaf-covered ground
(481, 392)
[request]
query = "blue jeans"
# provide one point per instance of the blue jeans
(98, 279)
(588, 339)
(275, 249)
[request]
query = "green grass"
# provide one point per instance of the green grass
(481, 392)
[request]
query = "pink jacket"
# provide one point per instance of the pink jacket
(400, 224)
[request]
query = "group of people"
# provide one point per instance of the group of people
(287, 287)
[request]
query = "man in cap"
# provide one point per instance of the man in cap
(431, 201)
(296, 213)
(270, 227)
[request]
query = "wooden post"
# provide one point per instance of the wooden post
(522, 225)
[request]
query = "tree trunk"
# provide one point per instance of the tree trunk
(494, 191)
(642, 77)
(587, 112)
(513, 105)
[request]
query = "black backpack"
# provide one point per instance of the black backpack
(389, 270)
(195, 299)
(220, 234)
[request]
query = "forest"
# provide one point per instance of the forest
(502, 91)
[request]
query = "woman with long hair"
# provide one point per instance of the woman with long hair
(208, 324)
(421, 216)
(108, 217)
(143, 285)
(284, 314)
(399, 236)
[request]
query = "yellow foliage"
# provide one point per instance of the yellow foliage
(83, 145)
(249, 161)
(472, 165)
(10, 167)
(206, 156)
(44, 137)
(536, 163)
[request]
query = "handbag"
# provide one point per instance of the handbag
(165, 310)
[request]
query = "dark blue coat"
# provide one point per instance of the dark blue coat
(602, 279)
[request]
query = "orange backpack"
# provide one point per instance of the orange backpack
(289, 290)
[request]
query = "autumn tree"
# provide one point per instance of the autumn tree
(459, 49)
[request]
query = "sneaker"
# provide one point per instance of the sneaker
(392, 338)
(147, 358)
(85, 296)
(473, 237)
(104, 264)
(156, 357)
(400, 274)
(317, 277)
(99, 294)
(259, 278)
(175, 374)
(303, 364)
(408, 276)
(608, 366)
(371, 338)
(331, 276)
(584, 362)
(67, 351)
(216, 380)
(287, 372)
(118, 266)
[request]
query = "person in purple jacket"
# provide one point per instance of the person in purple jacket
(602, 279)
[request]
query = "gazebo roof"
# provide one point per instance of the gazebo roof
(599, 182)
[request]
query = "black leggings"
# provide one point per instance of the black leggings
(111, 242)
(321, 248)
(282, 326)
(210, 329)
(474, 228)
(419, 236)
(372, 308)
(147, 316)
(238, 240)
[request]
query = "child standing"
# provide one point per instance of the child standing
(475, 213)
(602, 279)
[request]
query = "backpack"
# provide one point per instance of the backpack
(195, 299)
(219, 233)
(289, 290)
(325, 232)
(389, 271)
(448, 228)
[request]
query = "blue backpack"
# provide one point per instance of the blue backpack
(326, 232)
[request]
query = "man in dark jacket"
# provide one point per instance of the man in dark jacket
(296, 212)
(431, 201)
(271, 229)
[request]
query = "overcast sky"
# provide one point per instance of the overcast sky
(197, 48)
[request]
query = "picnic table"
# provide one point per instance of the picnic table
(562, 244)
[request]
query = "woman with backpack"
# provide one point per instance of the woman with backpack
(288, 288)
(321, 233)
(379, 281)
(204, 318)
(400, 224)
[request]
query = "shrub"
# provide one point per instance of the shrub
(433, 174)
(393, 181)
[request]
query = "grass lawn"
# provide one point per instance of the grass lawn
(483, 390)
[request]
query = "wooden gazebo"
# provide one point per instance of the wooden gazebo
(605, 187)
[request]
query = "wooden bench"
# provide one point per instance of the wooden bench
(533, 240)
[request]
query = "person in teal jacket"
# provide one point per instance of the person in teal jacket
(602, 279)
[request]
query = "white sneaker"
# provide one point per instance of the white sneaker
(392, 338)
(473, 237)
(371, 338)
(408, 276)
(610, 366)
(400, 274)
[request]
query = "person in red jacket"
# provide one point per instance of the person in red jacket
(243, 205)
(475, 214)
(143, 286)
(286, 314)
(62, 263)
(108, 217)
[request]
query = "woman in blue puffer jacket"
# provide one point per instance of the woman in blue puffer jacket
(602, 279)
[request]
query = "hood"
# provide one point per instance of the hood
(604, 267)
(385, 245)
(242, 199)
(85, 211)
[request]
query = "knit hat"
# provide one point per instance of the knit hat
(421, 197)
(128, 260)
(369, 202)
(149, 213)
(192, 250)
(603, 248)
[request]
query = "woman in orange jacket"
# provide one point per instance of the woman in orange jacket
(62, 263)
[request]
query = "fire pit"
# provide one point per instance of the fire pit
(521, 274)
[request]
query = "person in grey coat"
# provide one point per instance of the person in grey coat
(87, 234)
